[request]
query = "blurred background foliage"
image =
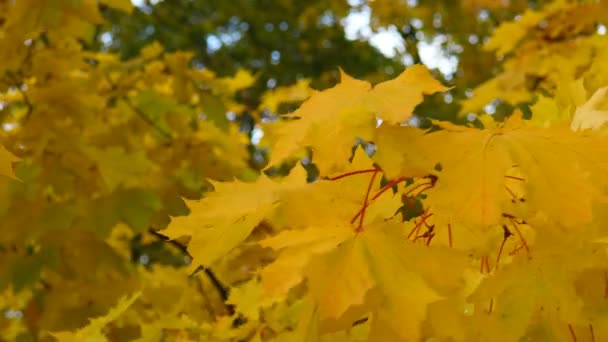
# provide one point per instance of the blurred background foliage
(283, 41)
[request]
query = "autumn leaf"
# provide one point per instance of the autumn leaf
(217, 228)
(119, 167)
(373, 259)
(300, 91)
(333, 105)
(471, 184)
(351, 276)
(297, 248)
(478, 195)
(241, 80)
(547, 290)
(411, 161)
(395, 100)
(248, 299)
(507, 35)
(226, 217)
(93, 331)
(593, 113)
(395, 264)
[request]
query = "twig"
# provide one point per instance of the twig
(139, 112)
(221, 289)
(147, 120)
(352, 173)
(365, 201)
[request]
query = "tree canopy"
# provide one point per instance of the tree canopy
(303, 171)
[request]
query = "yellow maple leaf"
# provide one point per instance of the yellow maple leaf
(241, 80)
(471, 180)
(533, 288)
(506, 37)
(351, 278)
(508, 34)
(546, 111)
(120, 167)
(93, 331)
(308, 324)
(403, 279)
(395, 100)
(558, 168)
(339, 132)
(287, 270)
(377, 258)
(593, 113)
(411, 161)
(225, 217)
(297, 92)
(314, 114)
(509, 86)
(248, 300)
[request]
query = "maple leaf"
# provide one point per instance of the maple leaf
(119, 167)
(554, 162)
(406, 275)
(563, 172)
(298, 92)
(508, 34)
(395, 100)
(330, 120)
(471, 180)
(411, 161)
(376, 258)
(241, 80)
(308, 324)
(248, 299)
(329, 105)
(593, 113)
(93, 331)
(506, 37)
(509, 86)
(351, 278)
(298, 247)
(547, 112)
(538, 284)
(224, 218)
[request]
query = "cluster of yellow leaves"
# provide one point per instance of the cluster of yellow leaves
(542, 55)
(96, 153)
(509, 244)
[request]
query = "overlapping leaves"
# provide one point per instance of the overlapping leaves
(514, 191)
